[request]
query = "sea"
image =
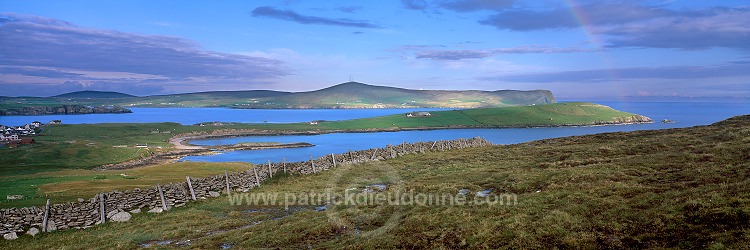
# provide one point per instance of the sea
(684, 114)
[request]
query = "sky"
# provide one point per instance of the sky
(578, 49)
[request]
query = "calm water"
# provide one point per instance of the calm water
(685, 115)
(188, 116)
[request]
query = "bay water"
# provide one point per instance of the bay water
(684, 114)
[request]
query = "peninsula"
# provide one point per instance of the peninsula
(345, 95)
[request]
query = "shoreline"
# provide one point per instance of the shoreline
(173, 156)
(183, 148)
(182, 141)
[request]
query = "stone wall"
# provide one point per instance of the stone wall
(119, 205)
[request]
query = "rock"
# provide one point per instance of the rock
(51, 226)
(375, 188)
(80, 199)
(10, 236)
(379, 187)
(121, 217)
(156, 210)
(32, 231)
(463, 191)
(135, 211)
(484, 193)
(214, 194)
(112, 213)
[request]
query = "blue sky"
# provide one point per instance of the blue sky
(578, 49)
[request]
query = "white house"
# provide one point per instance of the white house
(9, 137)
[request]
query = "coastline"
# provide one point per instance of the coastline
(183, 147)
(182, 141)
(192, 150)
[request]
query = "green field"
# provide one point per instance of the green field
(68, 185)
(676, 188)
(63, 148)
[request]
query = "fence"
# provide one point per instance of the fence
(119, 205)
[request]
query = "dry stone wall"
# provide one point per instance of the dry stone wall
(120, 204)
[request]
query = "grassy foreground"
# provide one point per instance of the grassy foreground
(676, 188)
(69, 185)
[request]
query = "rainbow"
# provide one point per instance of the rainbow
(587, 27)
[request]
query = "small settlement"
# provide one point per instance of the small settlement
(12, 136)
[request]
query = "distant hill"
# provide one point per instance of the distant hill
(93, 94)
(360, 95)
(345, 95)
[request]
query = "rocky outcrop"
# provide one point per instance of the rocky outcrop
(64, 110)
(628, 119)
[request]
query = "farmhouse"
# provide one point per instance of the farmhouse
(9, 137)
(27, 140)
(418, 114)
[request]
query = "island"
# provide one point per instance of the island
(348, 95)
(63, 110)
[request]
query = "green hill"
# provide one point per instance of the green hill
(556, 114)
(345, 95)
(94, 94)
(360, 95)
(202, 99)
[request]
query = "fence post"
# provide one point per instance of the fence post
(313, 164)
(270, 172)
(226, 177)
(102, 210)
(161, 195)
(284, 163)
(257, 180)
(190, 185)
(46, 217)
(333, 158)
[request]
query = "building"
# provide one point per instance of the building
(27, 140)
(418, 114)
(9, 137)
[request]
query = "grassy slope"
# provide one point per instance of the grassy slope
(68, 185)
(676, 188)
(538, 115)
(84, 146)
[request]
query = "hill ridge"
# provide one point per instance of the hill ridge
(345, 95)
(93, 94)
